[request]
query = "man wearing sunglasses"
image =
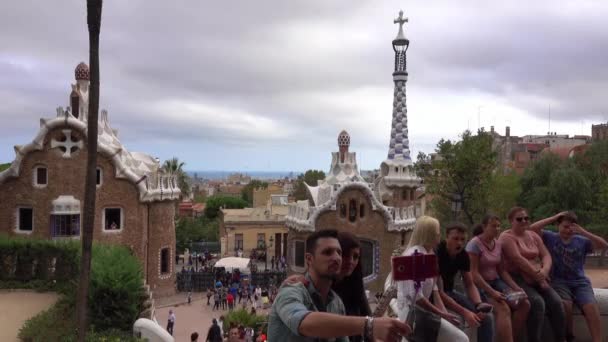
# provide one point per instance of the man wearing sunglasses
(569, 248)
(528, 261)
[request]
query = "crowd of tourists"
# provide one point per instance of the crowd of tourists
(512, 282)
(240, 294)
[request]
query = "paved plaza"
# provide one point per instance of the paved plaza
(19, 306)
(192, 317)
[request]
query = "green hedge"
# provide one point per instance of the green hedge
(50, 262)
(116, 293)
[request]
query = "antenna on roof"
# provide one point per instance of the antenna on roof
(549, 118)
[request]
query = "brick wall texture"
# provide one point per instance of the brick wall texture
(147, 226)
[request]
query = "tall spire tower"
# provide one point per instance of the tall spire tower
(398, 182)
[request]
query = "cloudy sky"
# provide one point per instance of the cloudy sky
(268, 85)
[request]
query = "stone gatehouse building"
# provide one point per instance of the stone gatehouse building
(42, 192)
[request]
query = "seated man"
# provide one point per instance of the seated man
(453, 259)
(313, 311)
(569, 249)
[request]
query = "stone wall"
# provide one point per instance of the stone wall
(161, 235)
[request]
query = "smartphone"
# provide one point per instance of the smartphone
(417, 267)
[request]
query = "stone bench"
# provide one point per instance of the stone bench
(581, 332)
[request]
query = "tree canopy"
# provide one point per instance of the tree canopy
(174, 167)
(247, 192)
(459, 180)
(215, 203)
(197, 229)
(310, 177)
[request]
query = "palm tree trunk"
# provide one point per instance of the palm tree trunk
(94, 23)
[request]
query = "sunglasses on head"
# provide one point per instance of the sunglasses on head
(522, 219)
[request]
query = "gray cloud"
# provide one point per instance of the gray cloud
(270, 73)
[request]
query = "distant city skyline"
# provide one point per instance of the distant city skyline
(269, 86)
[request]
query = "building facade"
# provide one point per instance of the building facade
(380, 213)
(599, 132)
(251, 229)
(43, 189)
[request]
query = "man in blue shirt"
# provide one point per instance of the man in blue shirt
(310, 311)
(569, 248)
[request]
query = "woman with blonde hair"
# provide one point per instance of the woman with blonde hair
(424, 239)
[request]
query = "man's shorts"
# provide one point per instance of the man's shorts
(579, 292)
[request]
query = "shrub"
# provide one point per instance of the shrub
(244, 318)
(116, 295)
(58, 323)
(55, 324)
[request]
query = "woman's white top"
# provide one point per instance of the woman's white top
(406, 291)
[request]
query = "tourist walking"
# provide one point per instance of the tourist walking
(216, 301)
(230, 300)
(194, 337)
(209, 295)
(224, 300)
(215, 332)
(171, 322)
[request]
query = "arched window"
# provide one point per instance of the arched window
(352, 210)
(370, 263)
(362, 210)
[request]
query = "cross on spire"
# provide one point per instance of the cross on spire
(401, 20)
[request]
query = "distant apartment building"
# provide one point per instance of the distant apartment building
(251, 229)
(599, 132)
(261, 196)
(230, 190)
(555, 140)
(516, 153)
(239, 179)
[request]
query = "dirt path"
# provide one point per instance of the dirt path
(17, 307)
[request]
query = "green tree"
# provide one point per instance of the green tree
(310, 177)
(461, 180)
(505, 192)
(594, 163)
(423, 165)
(215, 203)
(94, 8)
(188, 230)
(4, 166)
(174, 167)
(536, 187)
(247, 192)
